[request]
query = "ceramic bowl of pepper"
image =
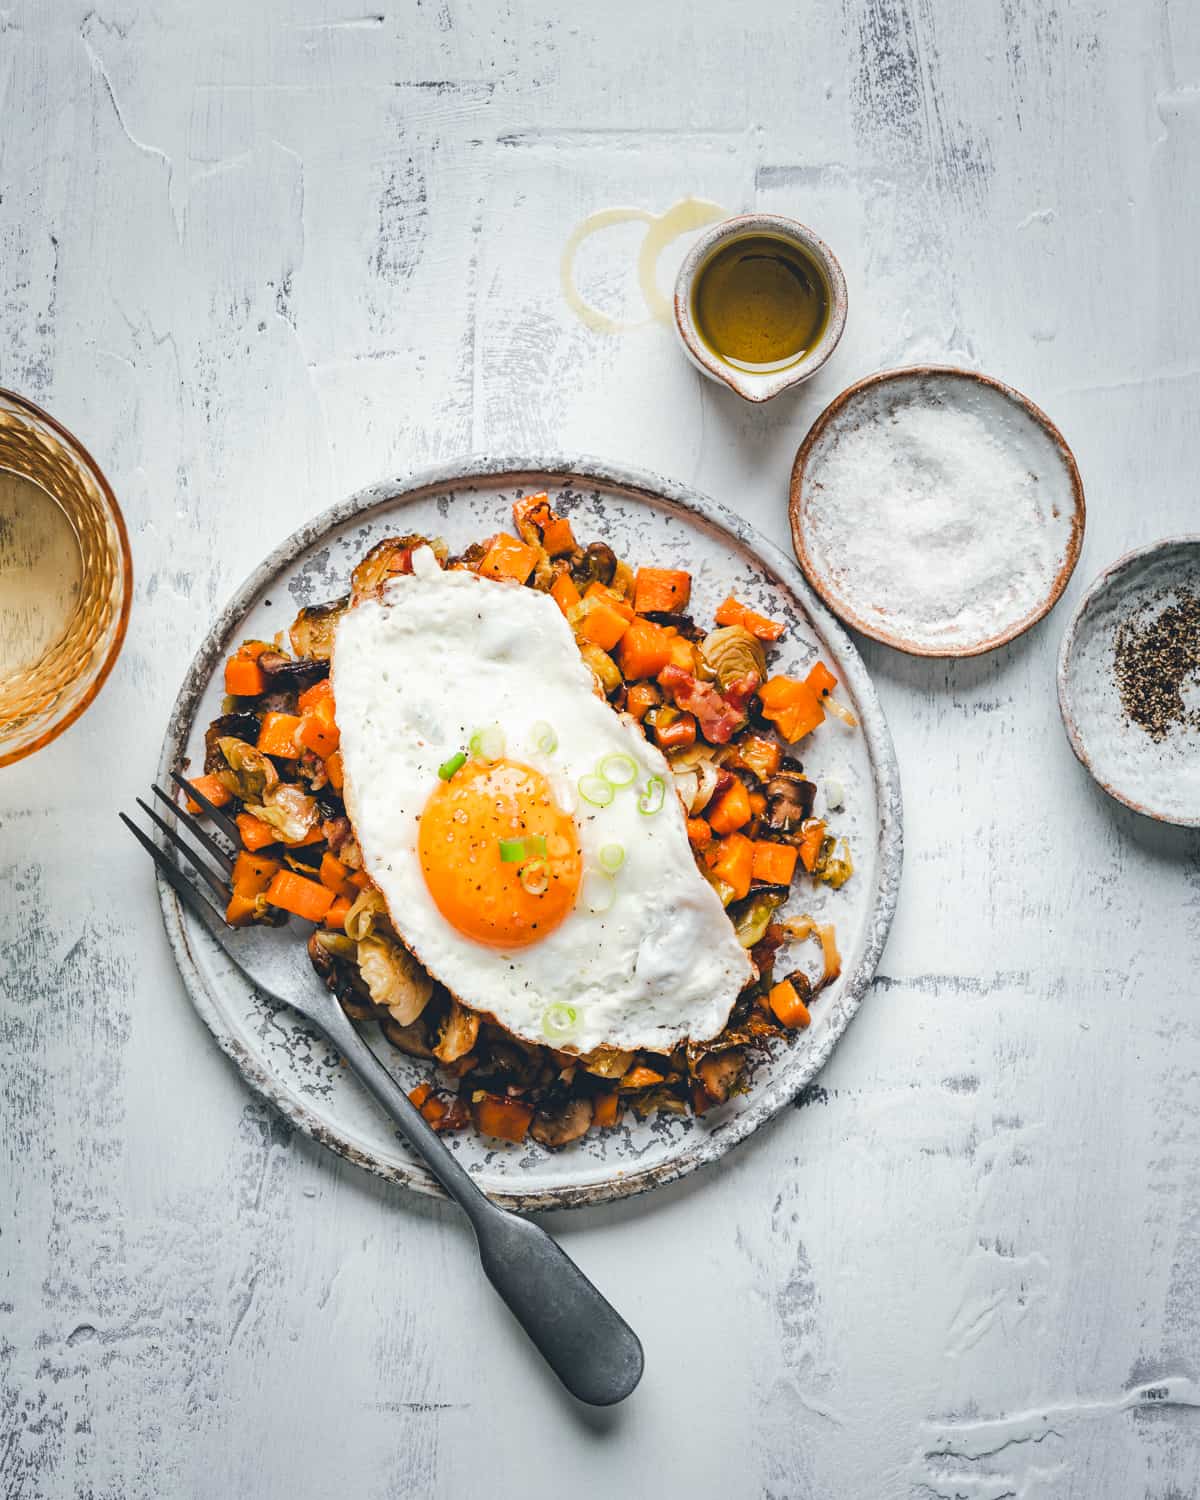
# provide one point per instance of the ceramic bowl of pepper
(1129, 680)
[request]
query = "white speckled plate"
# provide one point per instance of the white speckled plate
(1159, 778)
(1016, 568)
(642, 517)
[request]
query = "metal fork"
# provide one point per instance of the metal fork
(585, 1341)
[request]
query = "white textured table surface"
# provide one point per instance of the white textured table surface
(258, 255)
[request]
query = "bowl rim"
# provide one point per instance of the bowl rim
(1064, 677)
(758, 389)
(73, 445)
(797, 503)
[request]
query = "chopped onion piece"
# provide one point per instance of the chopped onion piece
(596, 790)
(839, 711)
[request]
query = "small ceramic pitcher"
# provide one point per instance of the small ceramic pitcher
(759, 385)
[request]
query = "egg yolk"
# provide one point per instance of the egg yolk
(500, 857)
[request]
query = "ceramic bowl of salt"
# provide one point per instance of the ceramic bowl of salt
(937, 510)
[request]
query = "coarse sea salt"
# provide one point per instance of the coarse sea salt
(938, 511)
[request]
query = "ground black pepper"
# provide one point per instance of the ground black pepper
(1155, 659)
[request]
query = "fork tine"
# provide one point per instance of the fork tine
(179, 882)
(197, 828)
(216, 884)
(223, 821)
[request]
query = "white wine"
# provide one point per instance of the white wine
(41, 570)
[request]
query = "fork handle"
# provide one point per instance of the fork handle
(581, 1336)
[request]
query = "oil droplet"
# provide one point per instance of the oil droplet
(681, 218)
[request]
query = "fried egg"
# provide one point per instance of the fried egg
(524, 835)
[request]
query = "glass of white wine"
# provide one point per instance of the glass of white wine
(66, 580)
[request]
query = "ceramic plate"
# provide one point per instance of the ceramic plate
(1010, 571)
(641, 517)
(1158, 777)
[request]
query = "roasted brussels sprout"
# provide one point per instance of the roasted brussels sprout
(604, 669)
(385, 559)
(238, 726)
(313, 629)
(608, 1062)
(458, 1033)
(393, 978)
(247, 772)
(752, 916)
(733, 654)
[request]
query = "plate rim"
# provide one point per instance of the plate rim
(796, 505)
(1098, 586)
(478, 471)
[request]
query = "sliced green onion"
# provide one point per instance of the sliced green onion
(598, 893)
(544, 737)
(488, 743)
(653, 796)
(618, 770)
(512, 851)
(537, 844)
(612, 857)
(455, 763)
(596, 790)
(535, 878)
(559, 1021)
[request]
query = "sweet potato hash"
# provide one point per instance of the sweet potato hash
(706, 696)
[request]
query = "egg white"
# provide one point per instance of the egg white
(414, 673)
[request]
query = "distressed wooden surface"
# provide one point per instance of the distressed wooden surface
(258, 255)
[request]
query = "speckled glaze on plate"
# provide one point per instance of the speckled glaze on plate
(1160, 779)
(1010, 413)
(643, 517)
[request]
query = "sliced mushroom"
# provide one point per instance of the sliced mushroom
(284, 673)
(597, 565)
(682, 624)
(721, 1072)
(412, 1039)
(469, 559)
(790, 798)
(555, 1128)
